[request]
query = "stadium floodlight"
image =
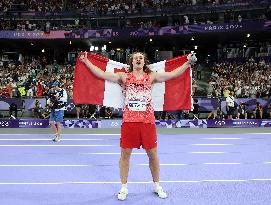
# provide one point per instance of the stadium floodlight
(195, 47)
(96, 48)
(42, 50)
(248, 35)
(192, 39)
(91, 48)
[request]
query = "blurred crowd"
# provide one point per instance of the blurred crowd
(33, 79)
(250, 79)
(32, 5)
(73, 10)
(104, 5)
(254, 49)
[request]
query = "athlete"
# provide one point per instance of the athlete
(138, 127)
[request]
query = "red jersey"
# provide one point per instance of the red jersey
(137, 100)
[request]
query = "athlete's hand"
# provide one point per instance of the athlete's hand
(192, 59)
(83, 57)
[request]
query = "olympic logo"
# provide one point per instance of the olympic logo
(220, 122)
(4, 123)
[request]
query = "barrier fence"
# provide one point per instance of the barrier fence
(205, 104)
(39, 123)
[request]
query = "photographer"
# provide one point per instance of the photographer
(57, 102)
(36, 110)
(268, 112)
(242, 111)
(196, 109)
(45, 113)
(230, 105)
(258, 111)
(13, 111)
(216, 114)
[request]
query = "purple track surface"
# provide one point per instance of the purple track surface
(202, 169)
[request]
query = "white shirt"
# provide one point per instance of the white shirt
(30, 93)
(230, 101)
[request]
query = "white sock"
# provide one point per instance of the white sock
(156, 185)
(124, 186)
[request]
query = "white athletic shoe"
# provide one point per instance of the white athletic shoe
(56, 138)
(160, 192)
(122, 194)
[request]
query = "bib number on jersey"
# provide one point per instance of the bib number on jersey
(136, 105)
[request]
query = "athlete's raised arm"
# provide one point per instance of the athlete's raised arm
(113, 77)
(161, 77)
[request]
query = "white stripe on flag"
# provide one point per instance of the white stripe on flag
(113, 96)
(158, 90)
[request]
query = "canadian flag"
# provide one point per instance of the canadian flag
(173, 94)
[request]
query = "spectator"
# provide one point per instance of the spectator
(78, 110)
(241, 111)
(45, 113)
(216, 114)
(230, 105)
(268, 112)
(258, 111)
(13, 110)
(36, 110)
(196, 109)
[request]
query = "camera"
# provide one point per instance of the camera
(53, 100)
(55, 103)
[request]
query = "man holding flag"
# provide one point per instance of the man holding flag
(138, 127)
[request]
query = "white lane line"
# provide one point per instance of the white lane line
(222, 138)
(207, 152)
(33, 183)
(181, 181)
(44, 165)
(164, 164)
(135, 182)
(46, 139)
(221, 163)
(225, 180)
(212, 144)
(258, 133)
(35, 145)
(61, 134)
(111, 153)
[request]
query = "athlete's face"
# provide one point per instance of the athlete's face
(138, 61)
